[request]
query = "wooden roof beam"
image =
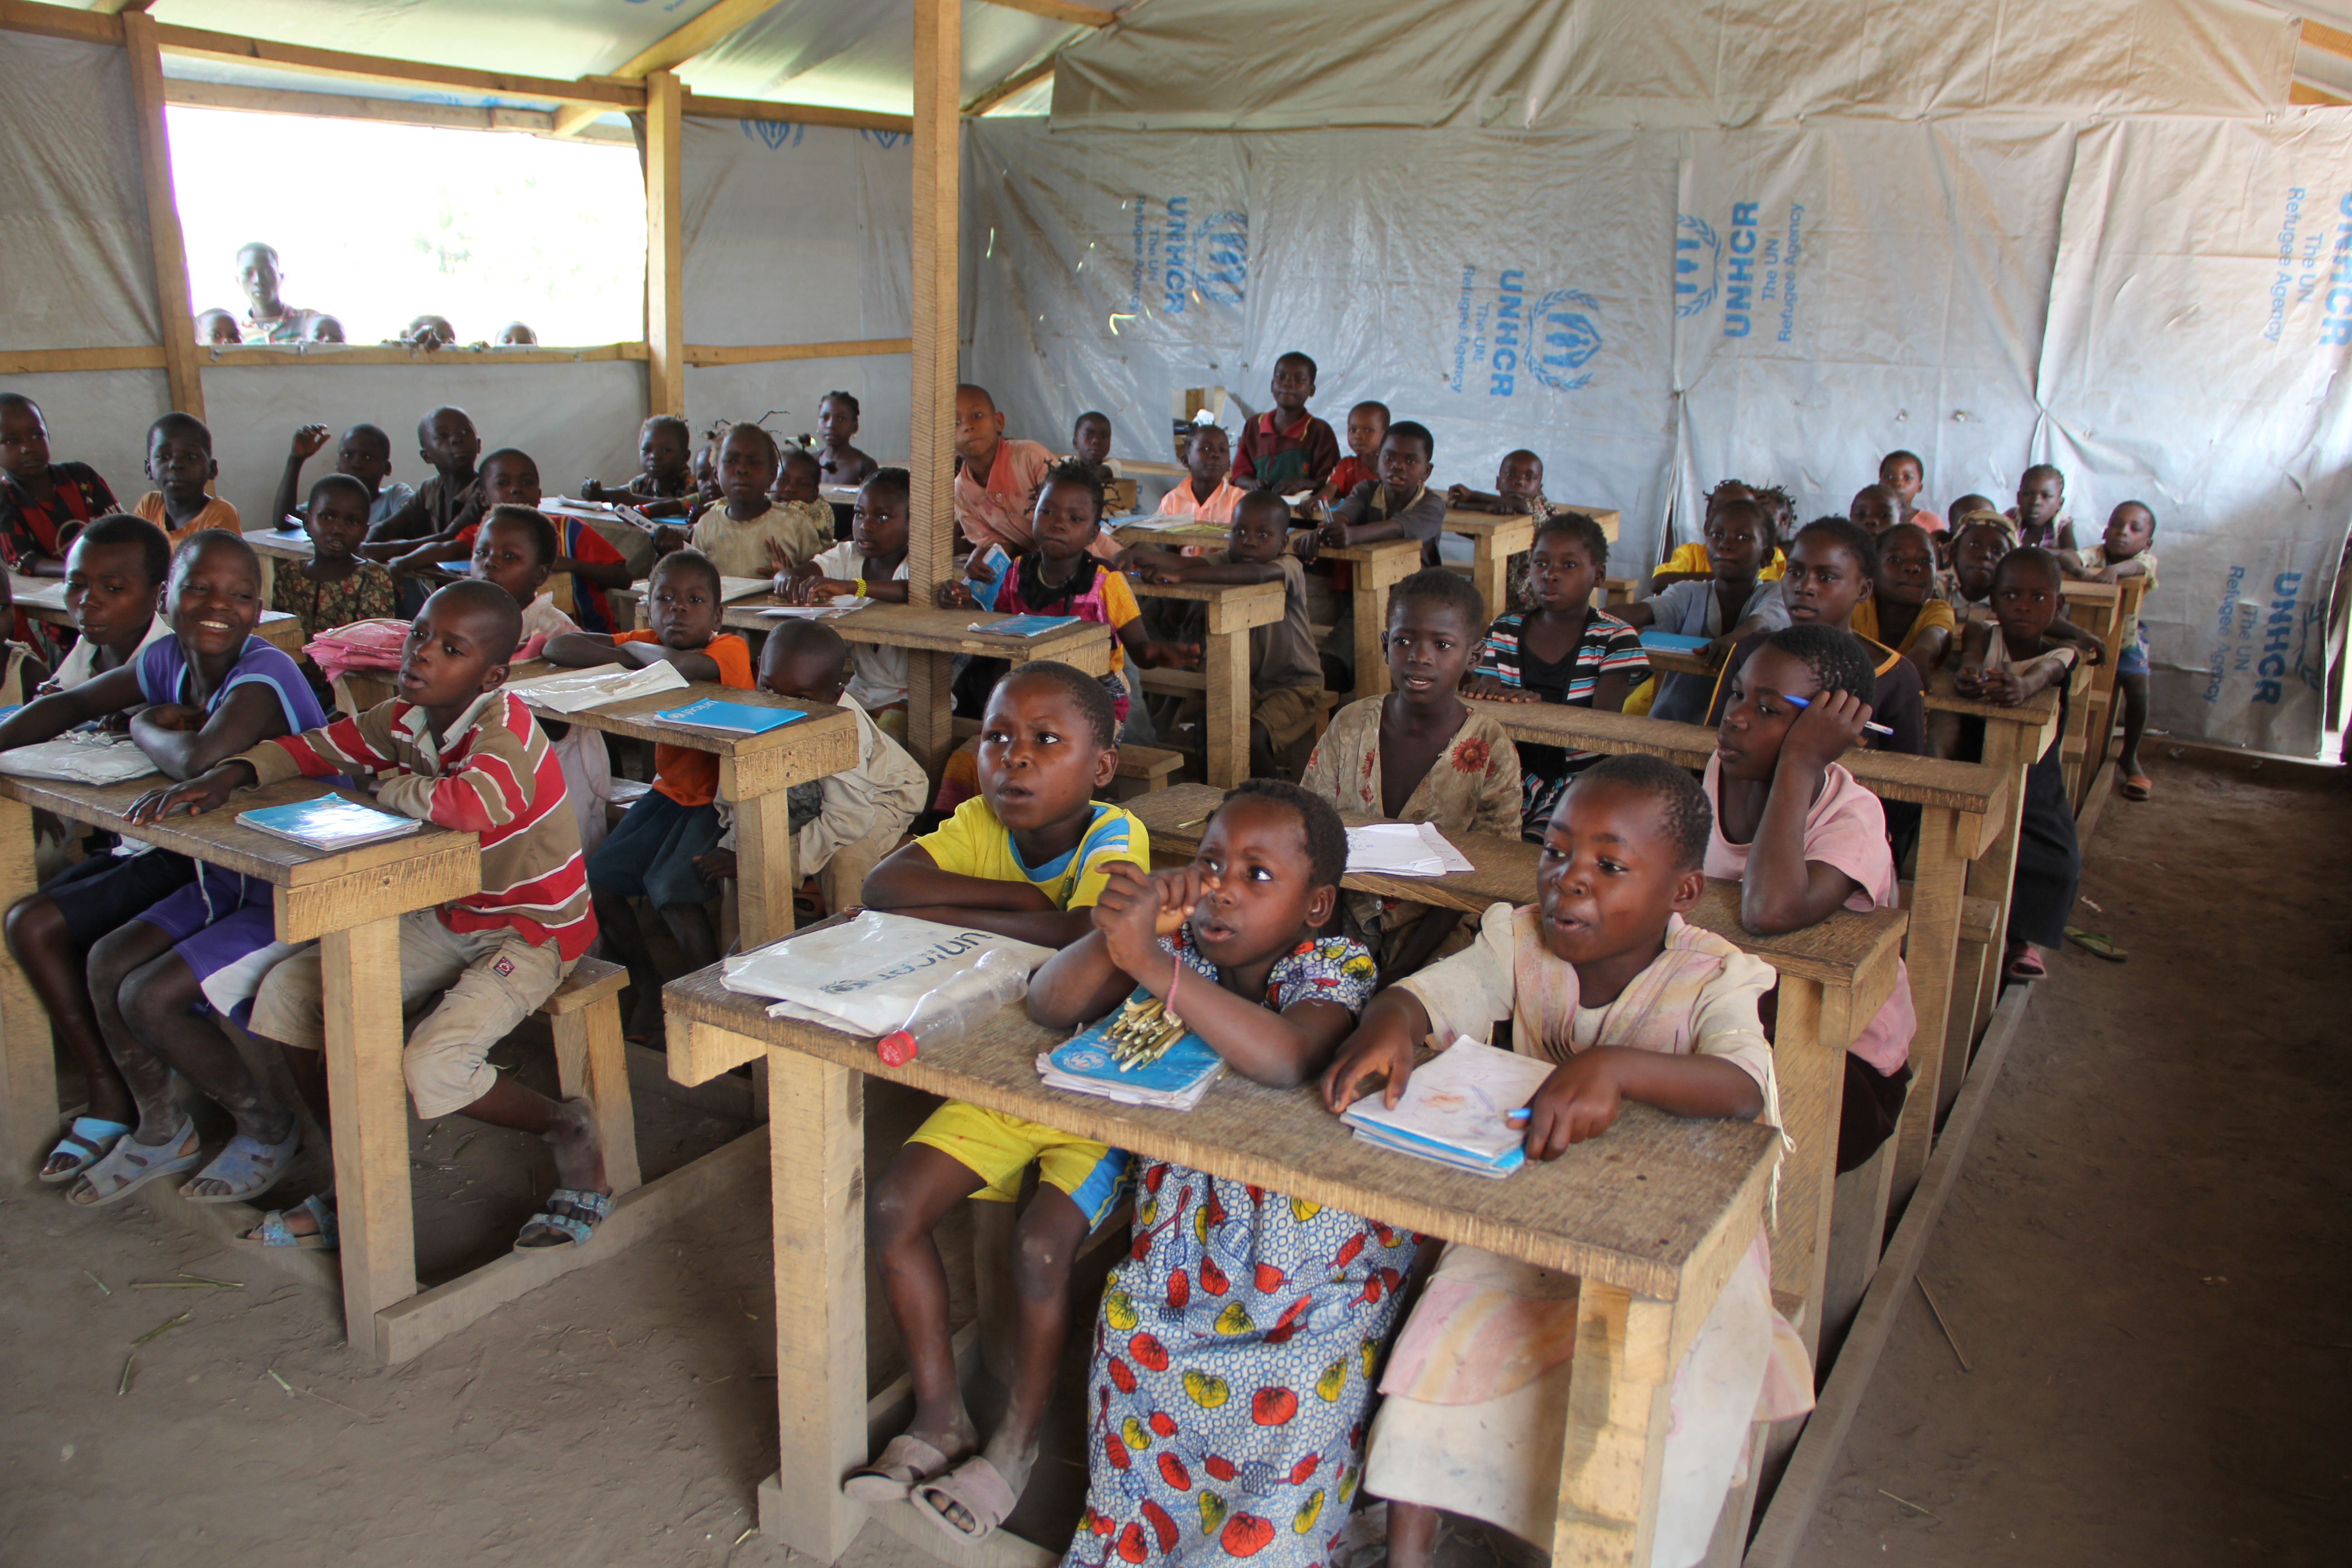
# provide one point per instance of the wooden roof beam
(1010, 85)
(2328, 40)
(674, 49)
(1063, 11)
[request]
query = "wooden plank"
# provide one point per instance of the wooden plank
(1063, 11)
(91, 26)
(1611, 1468)
(700, 1052)
(767, 112)
(51, 362)
(764, 882)
(2301, 92)
(817, 1143)
(450, 870)
(28, 1082)
(240, 50)
(360, 968)
(281, 356)
(672, 49)
(771, 353)
(1780, 1539)
(927, 628)
(592, 1060)
(1584, 1213)
(174, 315)
(939, 62)
(1938, 888)
(1495, 538)
(665, 247)
(2328, 40)
(730, 1171)
(1017, 82)
(1225, 726)
(351, 106)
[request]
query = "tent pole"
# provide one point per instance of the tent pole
(938, 72)
(176, 317)
(665, 247)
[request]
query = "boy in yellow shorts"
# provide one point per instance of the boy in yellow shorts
(1027, 858)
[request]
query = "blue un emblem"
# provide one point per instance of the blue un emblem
(1568, 339)
(1697, 255)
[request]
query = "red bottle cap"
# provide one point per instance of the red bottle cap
(896, 1048)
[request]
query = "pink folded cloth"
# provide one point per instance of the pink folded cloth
(362, 645)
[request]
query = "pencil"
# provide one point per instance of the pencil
(1801, 703)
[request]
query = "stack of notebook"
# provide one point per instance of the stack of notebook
(1176, 1081)
(1455, 1110)
(1403, 849)
(329, 822)
(731, 717)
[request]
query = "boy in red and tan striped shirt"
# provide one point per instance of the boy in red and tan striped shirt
(454, 751)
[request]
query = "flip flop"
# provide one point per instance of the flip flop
(587, 1211)
(2137, 786)
(131, 1165)
(973, 1486)
(248, 1165)
(2097, 944)
(273, 1230)
(93, 1133)
(905, 1462)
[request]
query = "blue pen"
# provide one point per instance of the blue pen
(1801, 702)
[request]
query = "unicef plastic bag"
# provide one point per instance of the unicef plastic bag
(881, 973)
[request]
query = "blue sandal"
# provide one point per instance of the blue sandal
(587, 1211)
(273, 1230)
(250, 1166)
(131, 1165)
(85, 1142)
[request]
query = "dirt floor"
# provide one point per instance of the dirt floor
(2145, 1264)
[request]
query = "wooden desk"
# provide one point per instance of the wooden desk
(2104, 609)
(351, 903)
(1230, 610)
(1652, 1254)
(1964, 809)
(1834, 977)
(44, 599)
(1495, 537)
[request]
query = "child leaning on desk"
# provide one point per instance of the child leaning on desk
(871, 564)
(651, 854)
(1283, 1303)
(1604, 976)
(1028, 858)
(454, 751)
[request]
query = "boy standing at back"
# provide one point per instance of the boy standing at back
(2124, 552)
(997, 478)
(1287, 449)
(364, 453)
(180, 461)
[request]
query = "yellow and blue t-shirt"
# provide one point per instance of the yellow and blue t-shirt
(975, 843)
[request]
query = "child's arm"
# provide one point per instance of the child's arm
(1381, 1050)
(185, 742)
(1928, 649)
(47, 718)
(1153, 564)
(578, 650)
(308, 442)
(1486, 682)
(1782, 890)
(1585, 1094)
(909, 882)
(350, 745)
(1153, 654)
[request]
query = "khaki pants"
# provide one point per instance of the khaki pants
(494, 979)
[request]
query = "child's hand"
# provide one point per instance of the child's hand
(173, 716)
(1169, 654)
(716, 866)
(1455, 494)
(1579, 1100)
(1490, 689)
(1365, 1055)
(1334, 534)
(2000, 688)
(1826, 731)
(956, 596)
(666, 539)
(779, 560)
(977, 568)
(1719, 649)
(308, 441)
(592, 489)
(1137, 908)
(206, 791)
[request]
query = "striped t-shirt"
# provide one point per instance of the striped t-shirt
(1608, 646)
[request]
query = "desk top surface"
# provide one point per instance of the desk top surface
(1651, 1201)
(284, 544)
(931, 630)
(44, 598)
(2040, 708)
(639, 717)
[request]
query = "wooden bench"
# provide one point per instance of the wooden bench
(592, 1060)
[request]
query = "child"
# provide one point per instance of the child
(335, 586)
(1803, 839)
(40, 501)
(322, 328)
(446, 440)
(1418, 755)
(1903, 612)
(1090, 445)
(216, 329)
(872, 565)
(665, 480)
(1285, 674)
(1286, 448)
(132, 954)
(1401, 505)
(1272, 995)
(2006, 661)
(1734, 603)
(1208, 495)
(115, 572)
(2040, 514)
(1028, 857)
(1908, 476)
(516, 549)
(1604, 976)
(454, 751)
(651, 852)
(1561, 650)
(1061, 576)
(2124, 552)
(1875, 507)
(364, 453)
(510, 477)
(1368, 426)
(269, 319)
(1518, 486)
(180, 461)
(845, 823)
(1979, 539)
(836, 423)
(794, 531)
(996, 478)
(1691, 563)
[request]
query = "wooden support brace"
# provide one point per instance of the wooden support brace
(763, 861)
(665, 247)
(359, 969)
(1615, 1458)
(176, 317)
(28, 1086)
(938, 54)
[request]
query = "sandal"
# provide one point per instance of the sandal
(571, 1214)
(250, 1166)
(2097, 944)
(85, 1142)
(2026, 964)
(905, 1462)
(2137, 786)
(273, 1230)
(131, 1165)
(976, 1489)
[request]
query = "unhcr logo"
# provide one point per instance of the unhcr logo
(1698, 259)
(1223, 274)
(1551, 342)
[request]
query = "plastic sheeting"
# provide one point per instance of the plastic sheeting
(1541, 64)
(80, 268)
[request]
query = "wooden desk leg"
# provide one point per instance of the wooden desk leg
(1489, 567)
(1371, 617)
(1931, 951)
(28, 1087)
(1812, 1092)
(764, 869)
(817, 1146)
(1225, 725)
(590, 1058)
(361, 970)
(1614, 1456)
(1992, 876)
(930, 721)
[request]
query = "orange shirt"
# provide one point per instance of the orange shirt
(687, 776)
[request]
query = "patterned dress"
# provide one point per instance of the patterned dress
(364, 596)
(1236, 1350)
(27, 529)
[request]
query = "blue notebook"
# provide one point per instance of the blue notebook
(1025, 625)
(736, 717)
(329, 822)
(1674, 641)
(1176, 1081)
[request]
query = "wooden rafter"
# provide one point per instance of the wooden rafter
(1063, 11)
(2304, 92)
(671, 50)
(2328, 40)
(665, 247)
(1015, 83)
(175, 313)
(707, 107)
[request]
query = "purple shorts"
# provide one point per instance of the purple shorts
(225, 929)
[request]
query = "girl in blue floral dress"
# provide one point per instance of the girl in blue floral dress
(1237, 1345)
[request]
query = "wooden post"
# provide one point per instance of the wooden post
(939, 63)
(361, 970)
(28, 1084)
(665, 247)
(175, 316)
(1613, 1459)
